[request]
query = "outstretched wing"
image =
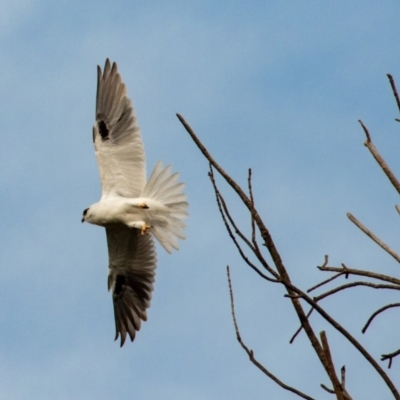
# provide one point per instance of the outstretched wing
(132, 263)
(116, 137)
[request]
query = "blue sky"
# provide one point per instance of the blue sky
(275, 86)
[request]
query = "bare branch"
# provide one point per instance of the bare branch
(354, 284)
(390, 357)
(269, 243)
(375, 238)
(393, 86)
(343, 383)
(266, 236)
(250, 353)
(285, 279)
(331, 368)
(343, 376)
(223, 209)
(327, 280)
(253, 225)
(300, 327)
(350, 338)
(327, 389)
(360, 272)
(379, 159)
(377, 312)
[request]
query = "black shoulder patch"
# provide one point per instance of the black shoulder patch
(119, 283)
(103, 130)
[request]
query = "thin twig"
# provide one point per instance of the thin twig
(343, 383)
(250, 353)
(327, 389)
(375, 238)
(253, 225)
(390, 357)
(223, 209)
(379, 159)
(327, 280)
(377, 312)
(393, 86)
(343, 376)
(300, 327)
(354, 284)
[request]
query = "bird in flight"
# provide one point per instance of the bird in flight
(131, 209)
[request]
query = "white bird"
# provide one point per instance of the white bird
(131, 209)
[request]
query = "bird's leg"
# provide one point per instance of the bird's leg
(145, 229)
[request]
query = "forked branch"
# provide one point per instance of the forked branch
(390, 357)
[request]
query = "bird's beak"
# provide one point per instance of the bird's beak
(83, 220)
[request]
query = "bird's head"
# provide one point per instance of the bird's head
(85, 214)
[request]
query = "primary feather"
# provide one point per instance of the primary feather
(116, 135)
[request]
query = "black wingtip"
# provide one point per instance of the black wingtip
(122, 338)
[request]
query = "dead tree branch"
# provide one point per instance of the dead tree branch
(337, 387)
(394, 90)
(228, 221)
(283, 275)
(379, 159)
(268, 241)
(375, 238)
(354, 284)
(344, 270)
(377, 312)
(390, 357)
(250, 353)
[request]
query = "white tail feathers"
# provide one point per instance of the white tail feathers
(163, 186)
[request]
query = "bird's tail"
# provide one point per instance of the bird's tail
(164, 187)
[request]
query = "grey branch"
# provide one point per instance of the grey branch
(379, 159)
(375, 238)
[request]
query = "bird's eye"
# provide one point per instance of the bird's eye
(85, 212)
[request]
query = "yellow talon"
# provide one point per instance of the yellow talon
(143, 205)
(145, 229)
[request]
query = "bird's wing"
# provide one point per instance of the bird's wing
(132, 261)
(116, 137)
